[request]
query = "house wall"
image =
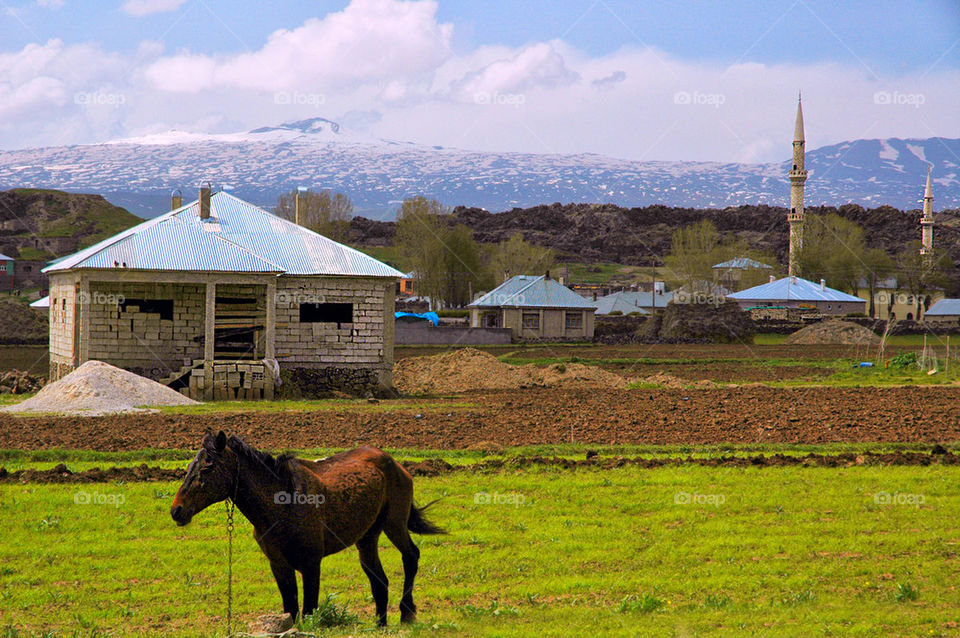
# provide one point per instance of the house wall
(552, 324)
(365, 345)
(128, 338)
(900, 304)
(833, 308)
(62, 324)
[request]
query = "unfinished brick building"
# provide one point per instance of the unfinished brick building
(214, 297)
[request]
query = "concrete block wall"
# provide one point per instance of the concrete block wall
(141, 341)
(364, 343)
(62, 308)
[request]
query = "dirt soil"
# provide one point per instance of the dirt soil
(834, 331)
(466, 369)
(663, 416)
(436, 467)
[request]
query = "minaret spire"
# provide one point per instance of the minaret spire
(798, 175)
(926, 222)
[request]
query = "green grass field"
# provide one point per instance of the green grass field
(672, 551)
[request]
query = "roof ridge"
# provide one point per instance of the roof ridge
(535, 280)
(299, 228)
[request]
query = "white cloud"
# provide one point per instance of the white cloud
(140, 8)
(370, 41)
(535, 66)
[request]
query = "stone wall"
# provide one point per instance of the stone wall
(320, 383)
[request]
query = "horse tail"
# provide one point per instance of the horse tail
(418, 523)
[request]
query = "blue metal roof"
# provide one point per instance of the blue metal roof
(5, 258)
(527, 291)
(792, 289)
(945, 307)
(742, 263)
(238, 237)
(629, 301)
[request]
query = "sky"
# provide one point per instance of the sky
(705, 80)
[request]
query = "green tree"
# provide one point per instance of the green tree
(833, 249)
(516, 256)
(879, 266)
(323, 212)
(446, 259)
(920, 274)
(694, 249)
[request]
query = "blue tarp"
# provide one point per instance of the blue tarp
(429, 316)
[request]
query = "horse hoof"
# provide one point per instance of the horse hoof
(408, 619)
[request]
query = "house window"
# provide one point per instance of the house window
(337, 313)
(28, 269)
(162, 307)
(531, 321)
(574, 320)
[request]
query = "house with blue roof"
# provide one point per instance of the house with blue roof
(534, 308)
(944, 312)
(216, 297)
(733, 274)
(628, 302)
(795, 292)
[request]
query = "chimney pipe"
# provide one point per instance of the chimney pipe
(823, 284)
(176, 199)
(296, 215)
(205, 201)
(772, 279)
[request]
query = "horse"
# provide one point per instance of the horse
(304, 510)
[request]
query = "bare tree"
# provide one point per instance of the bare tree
(323, 212)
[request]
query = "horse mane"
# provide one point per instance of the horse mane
(280, 466)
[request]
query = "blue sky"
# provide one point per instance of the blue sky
(595, 76)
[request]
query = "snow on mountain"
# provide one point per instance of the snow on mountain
(377, 174)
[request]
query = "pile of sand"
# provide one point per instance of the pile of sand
(834, 332)
(664, 380)
(469, 369)
(97, 388)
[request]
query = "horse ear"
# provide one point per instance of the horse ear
(221, 441)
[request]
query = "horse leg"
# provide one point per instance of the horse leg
(311, 588)
(399, 535)
(287, 583)
(370, 562)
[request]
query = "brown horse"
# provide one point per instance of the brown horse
(304, 510)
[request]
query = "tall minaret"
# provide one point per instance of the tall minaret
(798, 175)
(926, 222)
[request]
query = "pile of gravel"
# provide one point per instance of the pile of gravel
(97, 388)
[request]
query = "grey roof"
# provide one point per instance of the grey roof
(5, 258)
(890, 283)
(42, 302)
(792, 289)
(628, 301)
(742, 263)
(238, 237)
(945, 307)
(528, 291)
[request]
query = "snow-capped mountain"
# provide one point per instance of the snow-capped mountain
(377, 174)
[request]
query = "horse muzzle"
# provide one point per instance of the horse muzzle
(180, 515)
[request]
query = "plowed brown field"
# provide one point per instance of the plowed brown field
(541, 416)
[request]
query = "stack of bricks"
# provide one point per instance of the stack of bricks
(232, 380)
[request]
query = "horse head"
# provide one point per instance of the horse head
(211, 478)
